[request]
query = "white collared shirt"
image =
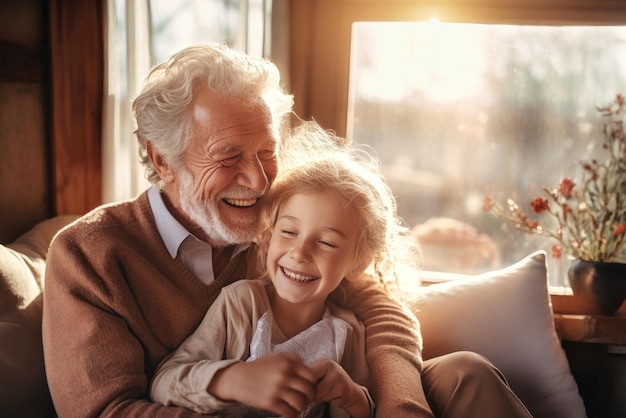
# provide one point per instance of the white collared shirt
(195, 253)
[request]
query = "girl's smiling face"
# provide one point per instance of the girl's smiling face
(313, 247)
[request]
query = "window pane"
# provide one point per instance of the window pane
(179, 23)
(460, 111)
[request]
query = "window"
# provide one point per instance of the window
(458, 111)
(178, 23)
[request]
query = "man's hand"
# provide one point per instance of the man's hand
(336, 386)
(278, 382)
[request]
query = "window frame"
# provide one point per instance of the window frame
(320, 36)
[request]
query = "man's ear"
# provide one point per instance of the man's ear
(166, 174)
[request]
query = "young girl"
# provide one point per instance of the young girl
(280, 345)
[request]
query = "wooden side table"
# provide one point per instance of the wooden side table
(595, 346)
(591, 328)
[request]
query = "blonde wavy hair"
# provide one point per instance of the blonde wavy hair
(313, 160)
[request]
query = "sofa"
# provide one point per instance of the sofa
(504, 314)
(23, 389)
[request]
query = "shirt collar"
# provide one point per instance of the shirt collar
(172, 232)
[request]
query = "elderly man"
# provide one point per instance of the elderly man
(128, 282)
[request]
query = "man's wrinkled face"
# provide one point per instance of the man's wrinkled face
(228, 166)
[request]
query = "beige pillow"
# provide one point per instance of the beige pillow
(506, 316)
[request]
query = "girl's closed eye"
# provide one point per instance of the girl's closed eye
(288, 232)
(328, 244)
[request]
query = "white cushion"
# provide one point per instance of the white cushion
(506, 316)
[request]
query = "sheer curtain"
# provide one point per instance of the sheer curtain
(142, 33)
(128, 61)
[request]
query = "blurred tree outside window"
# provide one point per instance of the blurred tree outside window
(458, 111)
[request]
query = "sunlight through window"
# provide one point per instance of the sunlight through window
(457, 111)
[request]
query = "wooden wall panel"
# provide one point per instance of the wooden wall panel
(77, 54)
(24, 162)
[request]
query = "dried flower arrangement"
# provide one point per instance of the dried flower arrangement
(591, 214)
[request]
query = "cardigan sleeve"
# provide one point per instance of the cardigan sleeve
(225, 331)
(393, 347)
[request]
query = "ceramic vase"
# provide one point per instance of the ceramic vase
(600, 285)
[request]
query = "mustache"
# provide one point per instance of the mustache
(242, 193)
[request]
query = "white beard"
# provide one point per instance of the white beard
(206, 215)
